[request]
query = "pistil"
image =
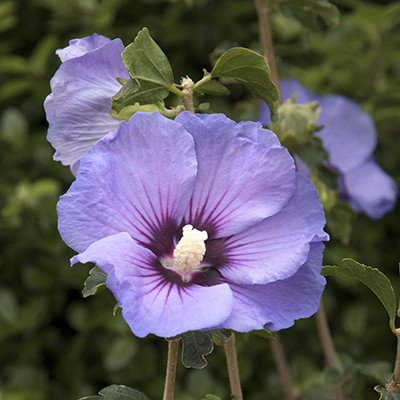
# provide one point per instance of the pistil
(190, 250)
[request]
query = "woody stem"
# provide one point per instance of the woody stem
(171, 370)
(233, 367)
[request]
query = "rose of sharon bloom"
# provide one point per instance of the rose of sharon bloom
(78, 109)
(349, 136)
(200, 223)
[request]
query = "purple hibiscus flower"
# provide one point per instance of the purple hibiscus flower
(78, 109)
(349, 136)
(200, 223)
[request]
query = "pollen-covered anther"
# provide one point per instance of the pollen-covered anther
(190, 250)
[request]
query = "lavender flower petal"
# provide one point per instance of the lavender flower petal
(277, 305)
(349, 134)
(369, 189)
(149, 303)
(138, 179)
(79, 47)
(244, 175)
(78, 109)
(275, 248)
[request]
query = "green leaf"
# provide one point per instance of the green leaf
(117, 392)
(385, 394)
(195, 346)
(371, 277)
(251, 69)
(145, 60)
(309, 12)
(95, 283)
(211, 397)
(125, 96)
(220, 335)
(150, 71)
(211, 86)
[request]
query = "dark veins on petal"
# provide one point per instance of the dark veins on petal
(200, 221)
(216, 253)
(163, 237)
(215, 258)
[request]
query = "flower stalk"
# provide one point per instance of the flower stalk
(283, 368)
(233, 367)
(328, 347)
(263, 13)
(172, 362)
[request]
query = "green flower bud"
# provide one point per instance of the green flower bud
(297, 122)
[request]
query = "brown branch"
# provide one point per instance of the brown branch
(283, 368)
(233, 367)
(328, 347)
(171, 370)
(263, 13)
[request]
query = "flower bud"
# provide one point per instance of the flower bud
(297, 122)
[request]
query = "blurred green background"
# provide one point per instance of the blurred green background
(56, 345)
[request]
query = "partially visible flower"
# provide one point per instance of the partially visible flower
(78, 109)
(200, 223)
(349, 136)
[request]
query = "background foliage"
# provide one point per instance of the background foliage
(56, 345)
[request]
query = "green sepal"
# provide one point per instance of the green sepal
(115, 309)
(95, 282)
(150, 72)
(126, 113)
(371, 277)
(311, 12)
(122, 81)
(265, 333)
(386, 394)
(117, 392)
(251, 69)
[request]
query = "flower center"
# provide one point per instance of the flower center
(190, 250)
